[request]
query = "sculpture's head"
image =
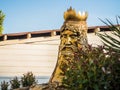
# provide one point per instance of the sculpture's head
(73, 33)
(69, 43)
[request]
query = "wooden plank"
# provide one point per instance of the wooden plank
(27, 52)
(8, 74)
(26, 68)
(45, 71)
(31, 63)
(31, 40)
(26, 57)
(30, 46)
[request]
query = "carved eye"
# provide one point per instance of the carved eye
(73, 36)
(61, 36)
(78, 34)
(64, 36)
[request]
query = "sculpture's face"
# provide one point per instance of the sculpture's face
(69, 44)
(69, 38)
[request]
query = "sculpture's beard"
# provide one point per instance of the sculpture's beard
(68, 48)
(68, 51)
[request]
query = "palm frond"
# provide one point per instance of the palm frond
(110, 41)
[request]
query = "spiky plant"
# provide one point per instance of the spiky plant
(15, 83)
(111, 42)
(28, 79)
(4, 85)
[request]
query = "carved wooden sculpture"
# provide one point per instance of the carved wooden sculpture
(73, 37)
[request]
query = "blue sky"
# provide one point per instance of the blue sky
(35, 15)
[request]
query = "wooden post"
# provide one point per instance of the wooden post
(28, 35)
(53, 33)
(5, 37)
(96, 30)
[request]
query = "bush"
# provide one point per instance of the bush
(112, 44)
(4, 85)
(95, 70)
(28, 79)
(15, 83)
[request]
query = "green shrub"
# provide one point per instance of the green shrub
(112, 44)
(95, 70)
(28, 79)
(4, 85)
(15, 83)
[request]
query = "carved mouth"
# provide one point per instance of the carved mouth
(67, 52)
(68, 48)
(67, 55)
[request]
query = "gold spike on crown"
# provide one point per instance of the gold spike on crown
(71, 15)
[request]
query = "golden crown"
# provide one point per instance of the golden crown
(71, 15)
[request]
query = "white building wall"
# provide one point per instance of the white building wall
(38, 55)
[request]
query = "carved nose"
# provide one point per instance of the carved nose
(68, 41)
